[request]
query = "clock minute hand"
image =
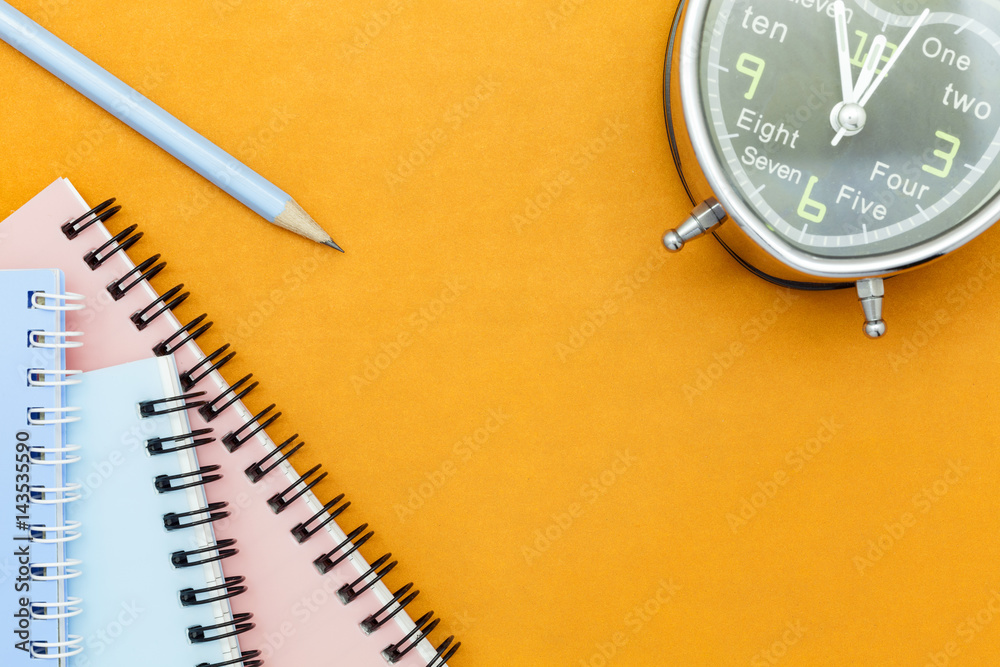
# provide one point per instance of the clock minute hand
(895, 56)
(855, 112)
(874, 56)
(871, 66)
(844, 52)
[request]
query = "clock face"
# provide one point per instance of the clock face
(854, 129)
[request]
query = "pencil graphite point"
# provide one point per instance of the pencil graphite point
(295, 219)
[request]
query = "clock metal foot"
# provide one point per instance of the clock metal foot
(705, 217)
(871, 291)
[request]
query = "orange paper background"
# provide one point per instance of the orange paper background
(597, 519)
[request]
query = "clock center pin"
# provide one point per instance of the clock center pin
(849, 118)
(852, 117)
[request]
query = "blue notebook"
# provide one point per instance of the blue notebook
(154, 588)
(38, 555)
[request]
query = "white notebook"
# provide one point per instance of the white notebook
(154, 588)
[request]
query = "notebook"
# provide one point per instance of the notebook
(154, 587)
(310, 589)
(40, 543)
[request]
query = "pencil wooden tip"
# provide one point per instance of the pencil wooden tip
(295, 219)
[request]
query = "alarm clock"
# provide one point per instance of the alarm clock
(848, 140)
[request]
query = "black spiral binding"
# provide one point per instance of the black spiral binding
(121, 242)
(155, 445)
(199, 477)
(210, 363)
(213, 553)
(167, 301)
(119, 289)
(182, 336)
(303, 532)
(424, 626)
(257, 471)
(233, 441)
(246, 660)
(214, 512)
(327, 562)
(237, 438)
(445, 652)
(233, 586)
(155, 408)
(100, 213)
(174, 521)
(199, 634)
(350, 592)
(398, 603)
(213, 409)
(279, 502)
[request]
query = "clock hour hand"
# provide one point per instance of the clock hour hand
(853, 113)
(849, 117)
(844, 52)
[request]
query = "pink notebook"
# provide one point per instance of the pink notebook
(315, 599)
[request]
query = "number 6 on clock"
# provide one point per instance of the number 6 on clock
(809, 208)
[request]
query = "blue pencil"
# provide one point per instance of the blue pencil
(146, 118)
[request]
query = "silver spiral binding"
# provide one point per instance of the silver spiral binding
(68, 533)
(66, 609)
(70, 301)
(51, 339)
(63, 493)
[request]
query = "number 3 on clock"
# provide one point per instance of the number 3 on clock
(949, 157)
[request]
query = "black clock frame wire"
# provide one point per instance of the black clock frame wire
(668, 118)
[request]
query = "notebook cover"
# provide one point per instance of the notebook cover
(26, 507)
(298, 614)
(131, 585)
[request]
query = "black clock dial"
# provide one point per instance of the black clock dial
(854, 129)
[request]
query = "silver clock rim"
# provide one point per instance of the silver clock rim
(751, 224)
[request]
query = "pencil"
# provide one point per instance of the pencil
(149, 120)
